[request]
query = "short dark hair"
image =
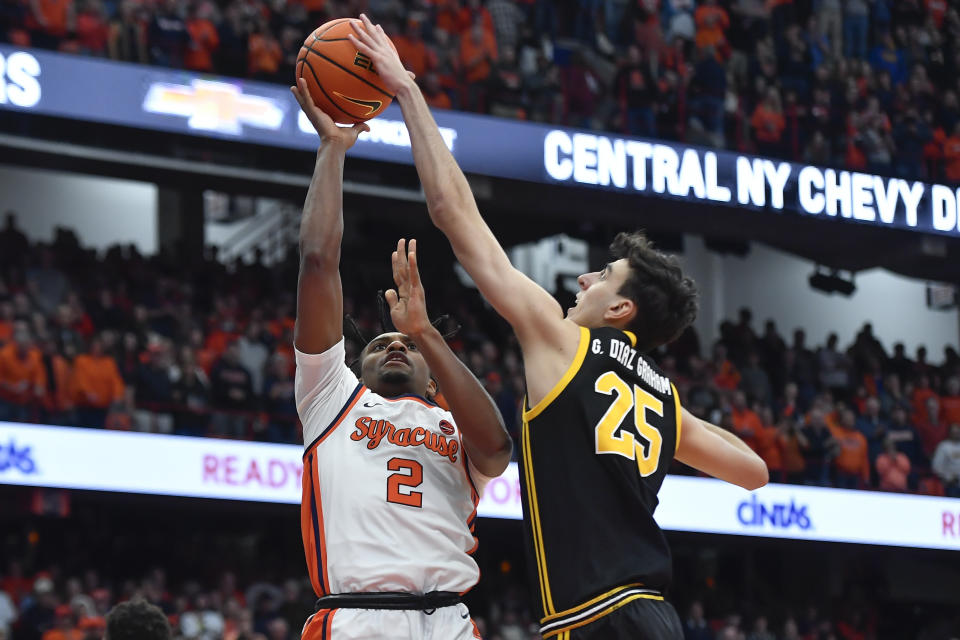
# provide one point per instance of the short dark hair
(137, 620)
(666, 299)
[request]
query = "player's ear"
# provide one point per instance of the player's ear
(433, 388)
(620, 310)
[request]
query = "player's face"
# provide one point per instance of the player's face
(391, 365)
(599, 303)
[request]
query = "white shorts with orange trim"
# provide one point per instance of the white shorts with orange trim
(448, 623)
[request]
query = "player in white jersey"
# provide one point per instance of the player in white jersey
(391, 481)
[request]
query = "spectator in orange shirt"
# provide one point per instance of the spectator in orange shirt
(92, 29)
(746, 422)
(60, 394)
(478, 51)
(22, 377)
(50, 21)
(792, 444)
(930, 426)
(471, 14)
(951, 155)
(265, 53)
(950, 402)
(851, 464)
(893, 468)
(768, 124)
(65, 628)
(712, 23)
(97, 385)
(203, 39)
(450, 18)
(413, 50)
(725, 377)
(768, 444)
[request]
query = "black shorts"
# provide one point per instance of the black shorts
(641, 619)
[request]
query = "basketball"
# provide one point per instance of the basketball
(341, 80)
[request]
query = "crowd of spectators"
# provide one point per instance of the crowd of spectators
(865, 84)
(133, 343)
(857, 417)
(51, 605)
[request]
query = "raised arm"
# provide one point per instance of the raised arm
(532, 312)
(484, 437)
(719, 453)
(319, 323)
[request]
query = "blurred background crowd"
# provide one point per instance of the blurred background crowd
(820, 81)
(53, 605)
(127, 342)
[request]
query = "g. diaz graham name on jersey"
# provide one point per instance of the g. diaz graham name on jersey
(626, 355)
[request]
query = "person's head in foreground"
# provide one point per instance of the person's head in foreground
(137, 620)
(641, 290)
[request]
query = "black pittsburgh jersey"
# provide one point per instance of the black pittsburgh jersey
(595, 451)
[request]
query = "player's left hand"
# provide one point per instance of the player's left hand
(408, 304)
(372, 41)
(330, 133)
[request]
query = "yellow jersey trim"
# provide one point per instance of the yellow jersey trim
(633, 338)
(604, 612)
(558, 388)
(545, 595)
(676, 402)
(588, 603)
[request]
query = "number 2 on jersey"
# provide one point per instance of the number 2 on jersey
(409, 480)
(610, 438)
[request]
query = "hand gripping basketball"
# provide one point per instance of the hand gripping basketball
(371, 41)
(408, 304)
(330, 133)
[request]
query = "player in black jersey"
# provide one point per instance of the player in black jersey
(601, 422)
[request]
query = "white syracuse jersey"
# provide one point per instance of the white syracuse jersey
(389, 498)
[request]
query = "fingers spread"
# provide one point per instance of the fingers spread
(414, 271)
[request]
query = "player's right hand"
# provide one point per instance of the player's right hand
(330, 133)
(408, 304)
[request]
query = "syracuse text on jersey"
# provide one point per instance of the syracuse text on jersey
(376, 431)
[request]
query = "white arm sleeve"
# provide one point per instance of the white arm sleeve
(322, 386)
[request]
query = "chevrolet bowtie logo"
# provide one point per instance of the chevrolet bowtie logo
(213, 106)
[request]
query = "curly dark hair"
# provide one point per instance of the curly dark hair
(137, 620)
(666, 299)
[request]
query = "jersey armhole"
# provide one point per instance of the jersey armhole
(676, 402)
(530, 414)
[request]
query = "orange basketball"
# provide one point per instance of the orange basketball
(341, 80)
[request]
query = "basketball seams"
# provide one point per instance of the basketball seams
(306, 63)
(344, 69)
(332, 24)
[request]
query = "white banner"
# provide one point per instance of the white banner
(42, 456)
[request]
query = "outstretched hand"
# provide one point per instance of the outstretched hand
(330, 133)
(371, 41)
(408, 304)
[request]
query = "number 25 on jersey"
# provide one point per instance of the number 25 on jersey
(611, 438)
